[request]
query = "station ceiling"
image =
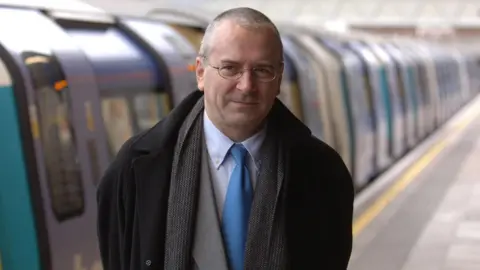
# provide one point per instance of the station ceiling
(438, 13)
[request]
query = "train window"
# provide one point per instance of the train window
(57, 137)
(118, 124)
(183, 48)
(150, 108)
(193, 35)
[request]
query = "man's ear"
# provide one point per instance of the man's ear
(199, 72)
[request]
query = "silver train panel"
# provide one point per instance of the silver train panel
(179, 55)
(132, 88)
(117, 61)
(430, 89)
(438, 112)
(463, 73)
(337, 112)
(372, 68)
(312, 113)
(418, 92)
(398, 118)
(360, 121)
(405, 93)
(80, 79)
(364, 161)
(60, 149)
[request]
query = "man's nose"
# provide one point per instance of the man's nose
(246, 81)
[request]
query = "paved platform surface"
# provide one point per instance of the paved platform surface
(433, 223)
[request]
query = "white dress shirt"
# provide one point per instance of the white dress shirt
(222, 165)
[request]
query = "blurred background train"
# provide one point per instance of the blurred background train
(75, 86)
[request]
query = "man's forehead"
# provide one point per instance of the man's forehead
(229, 31)
(226, 26)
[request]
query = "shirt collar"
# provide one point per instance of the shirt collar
(218, 144)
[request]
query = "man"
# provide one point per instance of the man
(230, 179)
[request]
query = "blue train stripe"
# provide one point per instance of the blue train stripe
(18, 242)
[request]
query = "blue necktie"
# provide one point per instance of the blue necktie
(236, 210)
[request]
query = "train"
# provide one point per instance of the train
(74, 86)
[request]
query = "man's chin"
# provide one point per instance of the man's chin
(245, 119)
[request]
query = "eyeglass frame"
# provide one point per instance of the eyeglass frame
(237, 77)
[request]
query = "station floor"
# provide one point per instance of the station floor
(424, 213)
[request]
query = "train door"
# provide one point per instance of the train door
(338, 110)
(462, 74)
(176, 55)
(289, 92)
(425, 95)
(474, 74)
(398, 84)
(424, 92)
(61, 145)
(457, 70)
(398, 110)
(398, 101)
(344, 100)
(470, 74)
(370, 105)
(442, 91)
(450, 85)
(361, 122)
(18, 228)
(413, 89)
(420, 95)
(453, 85)
(457, 83)
(313, 111)
(402, 66)
(84, 90)
(419, 101)
(382, 138)
(459, 86)
(451, 88)
(384, 95)
(133, 88)
(432, 92)
(390, 97)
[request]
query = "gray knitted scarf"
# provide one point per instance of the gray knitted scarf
(266, 247)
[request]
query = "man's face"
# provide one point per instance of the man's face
(240, 102)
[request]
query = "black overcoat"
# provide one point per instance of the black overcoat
(133, 195)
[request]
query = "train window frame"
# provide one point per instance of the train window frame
(49, 81)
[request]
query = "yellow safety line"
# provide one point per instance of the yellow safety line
(363, 220)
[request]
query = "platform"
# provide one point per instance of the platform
(424, 214)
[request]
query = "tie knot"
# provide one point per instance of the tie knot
(239, 153)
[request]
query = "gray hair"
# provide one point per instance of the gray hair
(244, 16)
